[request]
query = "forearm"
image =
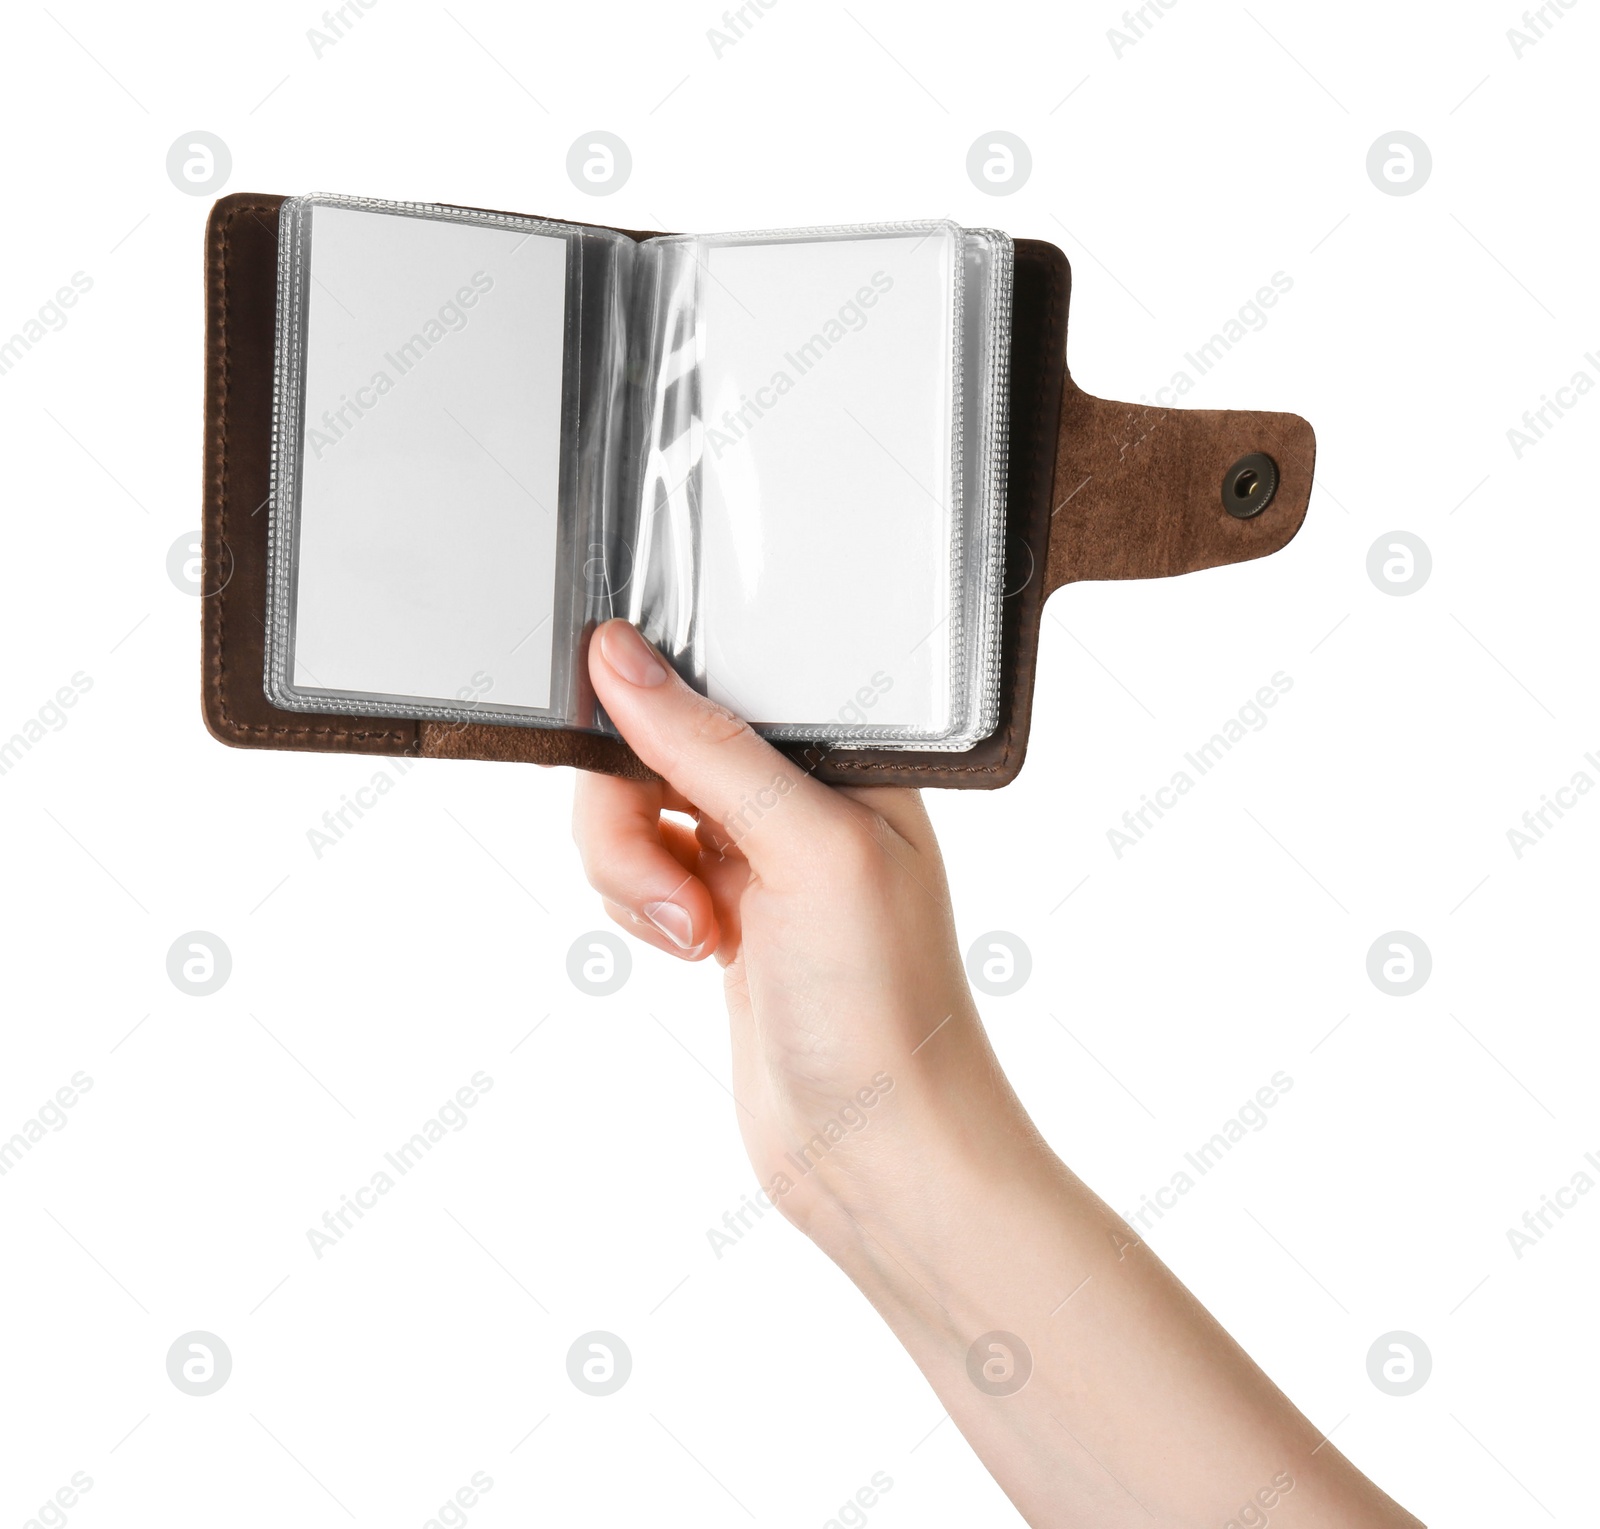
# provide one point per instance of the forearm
(877, 1117)
(1134, 1404)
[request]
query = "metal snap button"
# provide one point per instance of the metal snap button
(1248, 486)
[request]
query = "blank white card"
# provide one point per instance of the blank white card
(431, 460)
(826, 372)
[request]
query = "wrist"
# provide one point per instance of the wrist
(929, 1170)
(884, 1144)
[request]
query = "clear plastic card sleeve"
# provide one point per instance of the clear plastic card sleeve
(782, 455)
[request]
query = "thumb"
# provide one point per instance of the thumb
(759, 797)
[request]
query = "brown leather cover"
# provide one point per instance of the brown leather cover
(1095, 490)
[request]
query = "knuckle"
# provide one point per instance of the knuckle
(591, 874)
(597, 866)
(715, 726)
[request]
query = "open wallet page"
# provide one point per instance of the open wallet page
(430, 460)
(780, 453)
(827, 529)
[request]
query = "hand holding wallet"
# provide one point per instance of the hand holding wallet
(831, 473)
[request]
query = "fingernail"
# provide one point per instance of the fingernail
(630, 655)
(672, 921)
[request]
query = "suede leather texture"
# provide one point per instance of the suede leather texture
(1095, 490)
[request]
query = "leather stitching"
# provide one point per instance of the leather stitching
(1003, 763)
(218, 512)
(217, 644)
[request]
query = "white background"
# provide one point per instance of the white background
(1167, 985)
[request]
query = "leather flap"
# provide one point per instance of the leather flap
(1139, 490)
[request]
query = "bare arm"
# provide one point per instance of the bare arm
(1091, 1383)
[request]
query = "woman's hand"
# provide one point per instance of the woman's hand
(1094, 1387)
(854, 1032)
